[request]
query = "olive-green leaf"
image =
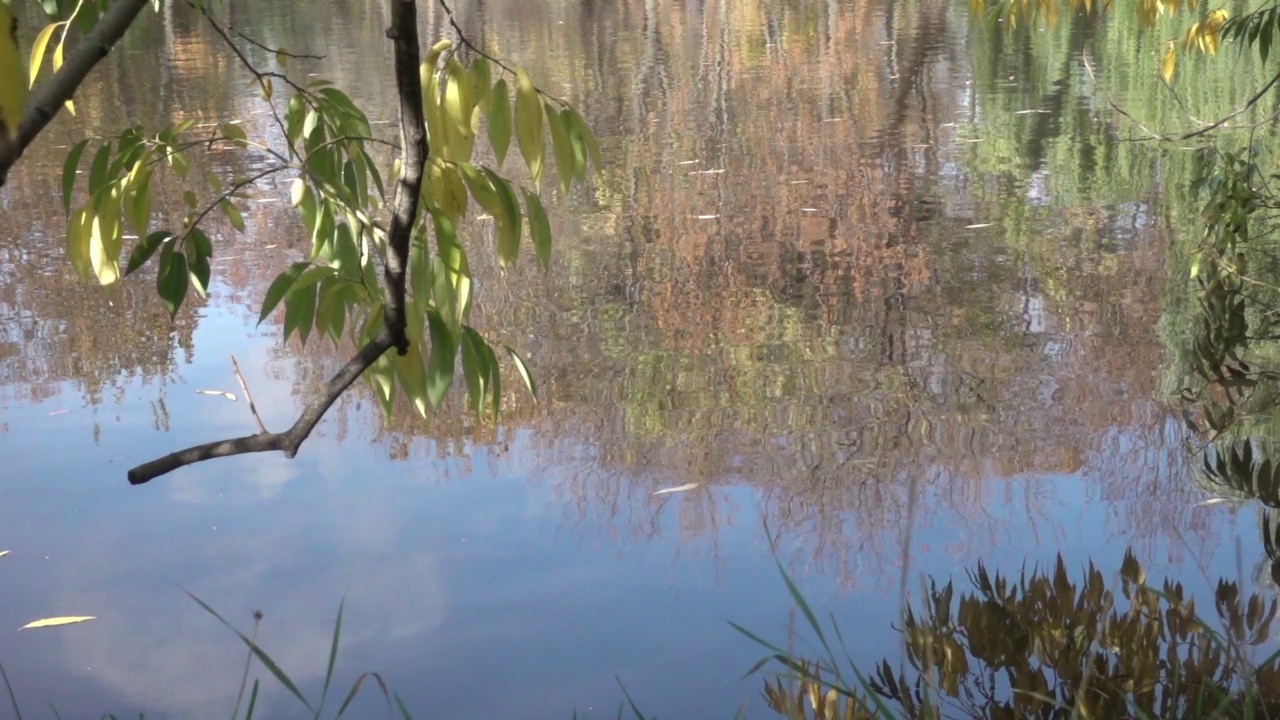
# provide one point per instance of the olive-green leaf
(38, 49)
(98, 169)
(198, 250)
(561, 145)
(145, 248)
(508, 219)
(539, 228)
(172, 279)
(69, 168)
(233, 214)
(300, 310)
(499, 120)
(280, 287)
(528, 120)
(578, 127)
(441, 360)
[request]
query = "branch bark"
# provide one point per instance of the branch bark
(413, 142)
(288, 441)
(49, 98)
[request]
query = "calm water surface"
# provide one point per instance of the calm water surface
(893, 286)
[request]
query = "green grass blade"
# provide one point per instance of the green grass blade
(333, 657)
(263, 658)
(632, 703)
(253, 701)
(13, 699)
(54, 709)
(404, 711)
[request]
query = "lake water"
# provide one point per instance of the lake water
(890, 284)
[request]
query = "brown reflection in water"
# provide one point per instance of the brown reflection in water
(773, 284)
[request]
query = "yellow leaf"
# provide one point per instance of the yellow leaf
(13, 91)
(55, 621)
(37, 48)
(1169, 64)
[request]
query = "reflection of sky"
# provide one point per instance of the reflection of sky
(466, 586)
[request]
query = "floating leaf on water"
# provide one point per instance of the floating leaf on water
(1212, 501)
(1029, 112)
(676, 489)
(976, 226)
(55, 621)
(707, 172)
(705, 217)
(688, 162)
(3, 553)
(227, 395)
(63, 411)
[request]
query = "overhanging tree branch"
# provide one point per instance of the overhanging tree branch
(49, 98)
(413, 142)
(288, 441)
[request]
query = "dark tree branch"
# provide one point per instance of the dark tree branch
(413, 142)
(288, 441)
(49, 98)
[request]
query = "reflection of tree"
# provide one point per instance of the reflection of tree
(1043, 645)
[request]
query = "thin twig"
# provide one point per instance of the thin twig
(288, 441)
(247, 396)
(277, 51)
(1242, 109)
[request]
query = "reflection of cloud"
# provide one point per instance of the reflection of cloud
(294, 562)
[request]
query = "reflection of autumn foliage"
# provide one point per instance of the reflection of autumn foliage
(1045, 645)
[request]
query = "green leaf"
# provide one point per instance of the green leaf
(105, 240)
(382, 381)
(523, 370)
(481, 187)
(78, 231)
(478, 75)
(145, 248)
(198, 251)
(508, 219)
(411, 371)
(172, 279)
(235, 134)
(69, 168)
(539, 228)
(499, 117)
(440, 362)
(528, 120)
(474, 371)
(233, 214)
(140, 203)
(561, 145)
(297, 191)
(280, 287)
(98, 170)
(300, 311)
(578, 127)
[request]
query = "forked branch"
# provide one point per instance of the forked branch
(49, 98)
(413, 142)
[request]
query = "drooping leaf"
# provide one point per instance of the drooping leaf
(280, 287)
(528, 121)
(507, 218)
(1169, 64)
(38, 49)
(69, 168)
(199, 250)
(539, 228)
(441, 360)
(145, 248)
(172, 279)
(499, 117)
(561, 144)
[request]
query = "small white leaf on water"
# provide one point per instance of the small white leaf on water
(59, 412)
(227, 395)
(1212, 501)
(55, 621)
(678, 488)
(3, 553)
(688, 162)
(707, 172)
(978, 225)
(705, 217)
